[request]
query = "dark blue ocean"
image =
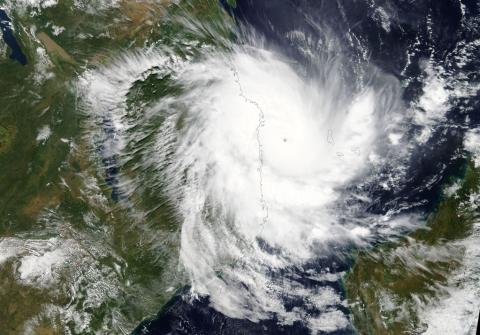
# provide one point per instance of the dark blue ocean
(431, 164)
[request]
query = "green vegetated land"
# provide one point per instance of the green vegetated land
(389, 283)
(47, 166)
(52, 181)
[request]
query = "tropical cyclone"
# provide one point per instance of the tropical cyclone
(256, 169)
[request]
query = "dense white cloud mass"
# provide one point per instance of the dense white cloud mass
(255, 157)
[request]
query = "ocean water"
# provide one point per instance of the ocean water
(413, 58)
